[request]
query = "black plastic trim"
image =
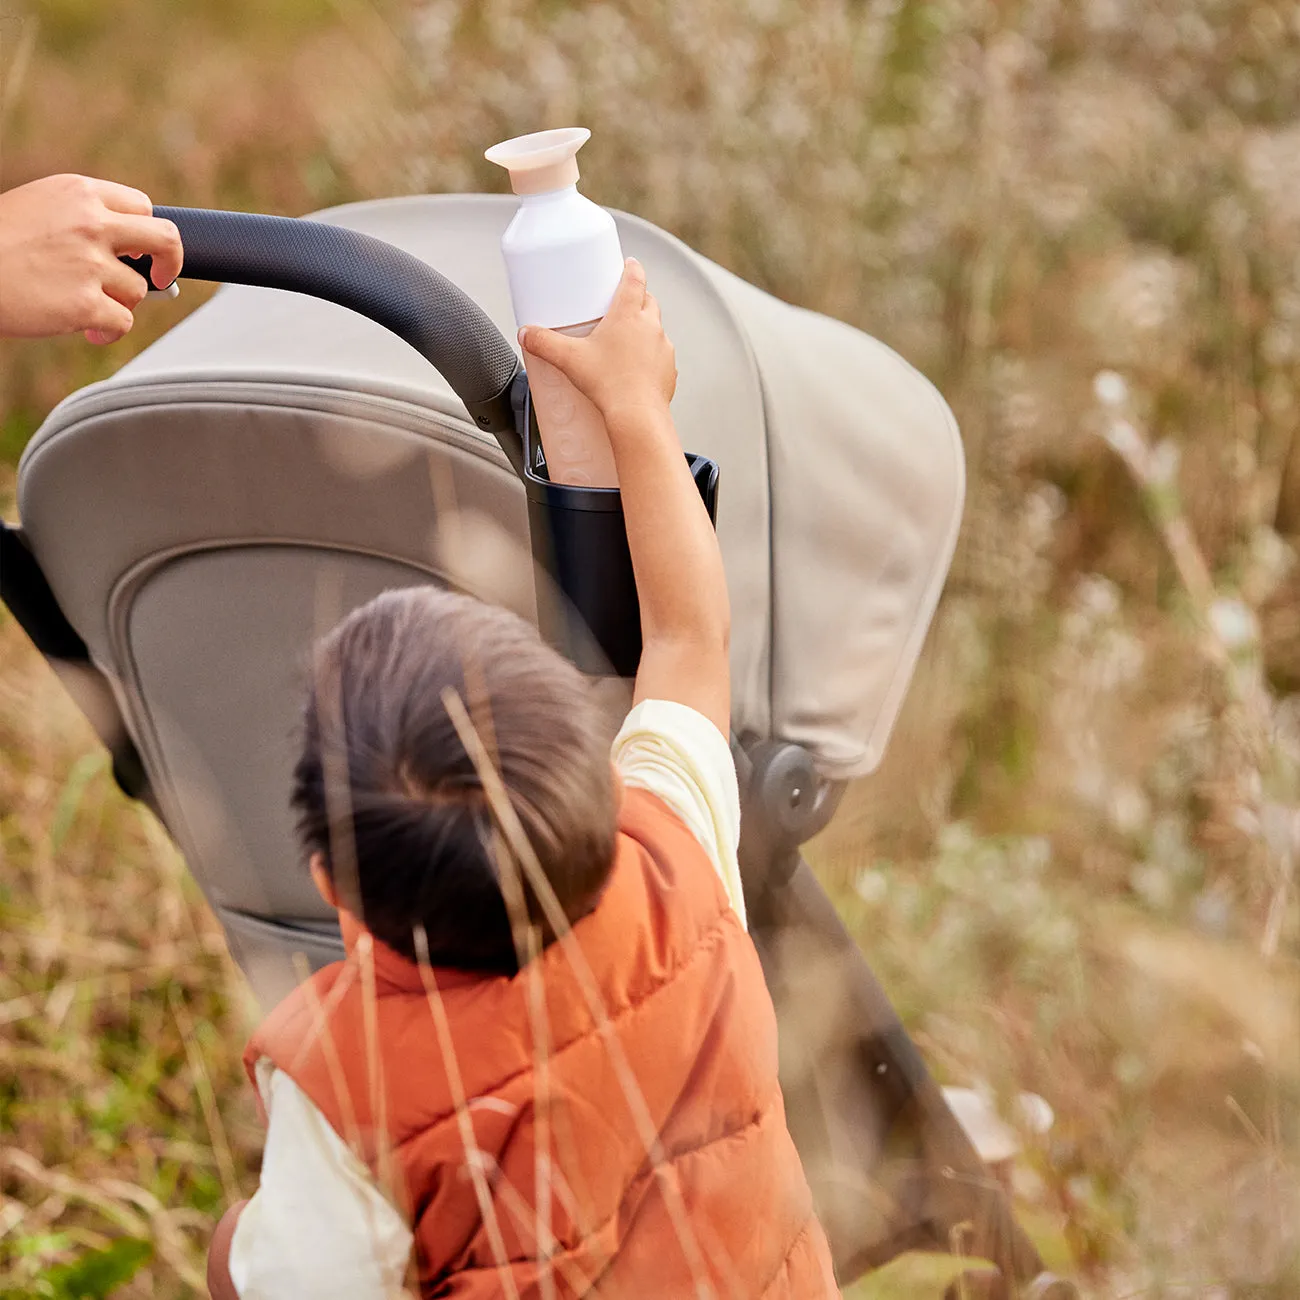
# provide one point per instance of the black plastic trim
(26, 593)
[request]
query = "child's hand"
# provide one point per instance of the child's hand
(60, 240)
(626, 364)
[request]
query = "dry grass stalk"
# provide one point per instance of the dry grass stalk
(1253, 708)
(464, 1121)
(344, 870)
(320, 1032)
(513, 832)
(203, 1087)
(112, 1198)
(844, 156)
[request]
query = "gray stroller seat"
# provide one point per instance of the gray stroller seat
(191, 524)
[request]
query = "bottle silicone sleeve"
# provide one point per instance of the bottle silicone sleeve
(574, 439)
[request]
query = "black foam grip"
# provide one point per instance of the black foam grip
(391, 287)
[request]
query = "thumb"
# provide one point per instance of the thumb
(546, 344)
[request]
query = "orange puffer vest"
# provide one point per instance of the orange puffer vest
(687, 1058)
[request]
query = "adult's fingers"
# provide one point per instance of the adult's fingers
(137, 236)
(124, 285)
(122, 198)
(109, 320)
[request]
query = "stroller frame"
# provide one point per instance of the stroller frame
(925, 1185)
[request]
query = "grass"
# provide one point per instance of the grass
(1075, 870)
(119, 1015)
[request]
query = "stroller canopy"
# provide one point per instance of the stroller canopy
(275, 460)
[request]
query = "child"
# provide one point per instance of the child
(430, 1120)
(60, 240)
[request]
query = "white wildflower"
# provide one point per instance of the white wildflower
(1090, 781)
(1110, 388)
(1097, 597)
(1269, 559)
(1044, 507)
(871, 886)
(1233, 623)
(1129, 808)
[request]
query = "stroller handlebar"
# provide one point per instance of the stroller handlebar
(367, 275)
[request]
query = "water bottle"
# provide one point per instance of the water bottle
(564, 261)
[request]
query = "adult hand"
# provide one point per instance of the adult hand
(60, 240)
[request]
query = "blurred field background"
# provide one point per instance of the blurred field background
(1076, 871)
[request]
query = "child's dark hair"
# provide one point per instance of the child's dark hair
(414, 815)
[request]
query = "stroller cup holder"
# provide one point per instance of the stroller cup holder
(587, 605)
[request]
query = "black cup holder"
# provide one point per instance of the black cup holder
(589, 609)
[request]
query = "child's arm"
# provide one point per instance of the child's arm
(626, 367)
(221, 1285)
(60, 240)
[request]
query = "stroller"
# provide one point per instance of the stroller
(279, 458)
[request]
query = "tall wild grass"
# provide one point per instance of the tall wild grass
(1076, 869)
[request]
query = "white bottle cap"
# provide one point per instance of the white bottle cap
(543, 161)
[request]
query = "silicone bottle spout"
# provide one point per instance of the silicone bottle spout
(543, 161)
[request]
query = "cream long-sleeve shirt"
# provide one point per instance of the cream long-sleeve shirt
(318, 1225)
